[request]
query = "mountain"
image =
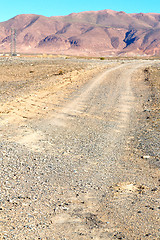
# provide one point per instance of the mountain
(95, 33)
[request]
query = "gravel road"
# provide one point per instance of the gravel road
(76, 173)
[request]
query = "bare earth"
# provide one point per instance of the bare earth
(79, 153)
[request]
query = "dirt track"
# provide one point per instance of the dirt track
(70, 166)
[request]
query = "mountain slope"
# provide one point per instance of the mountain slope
(103, 32)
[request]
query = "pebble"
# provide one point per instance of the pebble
(154, 189)
(145, 157)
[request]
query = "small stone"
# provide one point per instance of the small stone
(65, 208)
(145, 157)
(147, 110)
(148, 234)
(151, 208)
(154, 189)
(119, 235)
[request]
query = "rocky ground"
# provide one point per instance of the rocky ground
(79, 149)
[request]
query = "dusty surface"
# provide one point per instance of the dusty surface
(79, 149)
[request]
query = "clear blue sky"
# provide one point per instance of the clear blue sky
(11, 8)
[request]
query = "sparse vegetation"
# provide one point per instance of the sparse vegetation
(102, 58)
(60, 72)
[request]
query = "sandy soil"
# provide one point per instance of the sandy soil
(79, 149)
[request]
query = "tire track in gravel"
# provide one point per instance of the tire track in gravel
(76, 105)
(84, 103)
(90, 134)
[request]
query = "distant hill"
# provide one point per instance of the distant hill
(96, 33)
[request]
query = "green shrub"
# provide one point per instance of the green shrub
(102, 58)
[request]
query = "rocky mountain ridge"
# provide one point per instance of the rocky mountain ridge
(92, 33)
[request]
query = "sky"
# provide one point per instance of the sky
(11, 8)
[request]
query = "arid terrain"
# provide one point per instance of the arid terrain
(92, 33)
(79, 148)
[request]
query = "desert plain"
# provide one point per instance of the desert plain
(79, 148)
